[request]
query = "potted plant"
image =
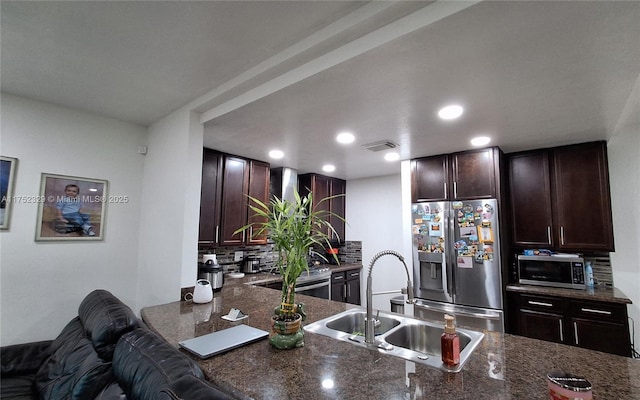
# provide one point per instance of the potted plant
(294, 227)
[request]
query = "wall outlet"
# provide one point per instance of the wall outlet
(237, 256)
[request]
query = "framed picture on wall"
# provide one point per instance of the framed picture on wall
(72, 208)
(8, 167)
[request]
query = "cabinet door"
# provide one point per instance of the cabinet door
(583, 205)
(337, 206)
(473, 175)
(601, 336)
(530, 194)
(210, 198)
(259, 189)
(353, 287)
(338, 291)
(541, 325)
(429, 179)
(234, 202)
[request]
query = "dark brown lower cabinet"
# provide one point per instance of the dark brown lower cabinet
(345, 286)
(594, 325)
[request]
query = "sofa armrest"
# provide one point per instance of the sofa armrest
(24, 358)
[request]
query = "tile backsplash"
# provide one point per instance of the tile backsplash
(350, 252)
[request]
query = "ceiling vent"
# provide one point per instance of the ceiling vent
(380, 145)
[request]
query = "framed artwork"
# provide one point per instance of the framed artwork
(72, 208)
(7, 175)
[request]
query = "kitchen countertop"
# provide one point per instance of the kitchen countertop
(502, 367)
(599, 293)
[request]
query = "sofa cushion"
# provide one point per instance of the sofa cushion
(144, 363)
(112, 391)
(191, 388)
(105, 318)
(18, 388)
(74, 370)
(23, 358)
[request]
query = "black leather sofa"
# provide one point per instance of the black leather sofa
(104, 353)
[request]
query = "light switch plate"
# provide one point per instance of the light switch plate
(237, 256)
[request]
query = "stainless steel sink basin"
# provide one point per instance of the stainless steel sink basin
(397, 335)
(422, 338)
(353, 323)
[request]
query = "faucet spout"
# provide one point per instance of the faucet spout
(370, 322)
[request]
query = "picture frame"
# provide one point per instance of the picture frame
(71, 208)
(8, 167)
(485, 233)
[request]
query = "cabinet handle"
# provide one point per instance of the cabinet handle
(445, 190)
(344, 292)
(590, 310)
(455, 190)
(250, 232)
(575, 331)
(348, 291)
(217, 233)
(562, 235)
(561, 334)
(243, 235)
(549, 234)
(539, 303)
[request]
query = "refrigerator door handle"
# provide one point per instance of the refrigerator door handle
(489, 315)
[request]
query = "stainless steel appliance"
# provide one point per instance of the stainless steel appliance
(316, 282)
(214, 273)
(456, 262)
(251, 265)
(554, 270)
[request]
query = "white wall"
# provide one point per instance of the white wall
(624, 174)
(42, 283)
(374, 216)
(170, 209)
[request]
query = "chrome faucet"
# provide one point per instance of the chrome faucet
(370, 322)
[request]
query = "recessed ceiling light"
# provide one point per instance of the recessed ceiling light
(277, 154)
(480, 141)
(328, 168)
(345, 137)
(393, 156)
(450, 112)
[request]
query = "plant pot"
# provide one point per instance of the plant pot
(286, 333)
(286, 326)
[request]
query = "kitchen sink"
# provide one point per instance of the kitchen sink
(354, 323)
(397, 335)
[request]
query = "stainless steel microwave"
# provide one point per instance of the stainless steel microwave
(555, 271)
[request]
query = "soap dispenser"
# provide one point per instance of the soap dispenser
(450, 343)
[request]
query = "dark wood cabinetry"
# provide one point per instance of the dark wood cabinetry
(589, 324)
(323, 186)
(211, 191)
(259, 173)
(345, 286)
(559, 198)
(473, 174)
(235, 186)
(226, 182)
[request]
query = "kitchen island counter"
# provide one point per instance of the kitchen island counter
(502, 367)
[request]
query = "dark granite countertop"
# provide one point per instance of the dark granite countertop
(599, 293)
(502, 367)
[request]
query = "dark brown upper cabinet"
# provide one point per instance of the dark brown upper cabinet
(259, 173)
(226, 182)
(324, 186)
(559, 198)
(211, 191)
(473, 174)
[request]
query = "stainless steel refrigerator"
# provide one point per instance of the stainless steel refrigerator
(456, 262)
